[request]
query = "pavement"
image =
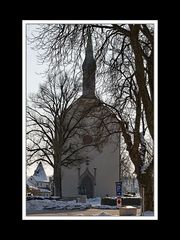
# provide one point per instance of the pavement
(86, 212)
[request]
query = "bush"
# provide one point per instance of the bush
(132, 201)
(108, 201)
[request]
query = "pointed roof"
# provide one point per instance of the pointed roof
(39, 173)
(89, 69)
(85, 174)
(89, 47)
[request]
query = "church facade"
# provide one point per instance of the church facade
(96, 175)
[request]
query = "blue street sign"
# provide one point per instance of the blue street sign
(118, 188)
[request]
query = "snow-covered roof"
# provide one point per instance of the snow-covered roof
(44, 190)
(39, 179)
(39, 174)
(30, 183)
(32, 187)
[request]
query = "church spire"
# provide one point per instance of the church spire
(89, 69)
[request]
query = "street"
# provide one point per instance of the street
(86, 212)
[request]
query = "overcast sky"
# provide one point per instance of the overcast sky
(34, 69)
(33, 79)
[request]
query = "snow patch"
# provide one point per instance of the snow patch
(148, 213)
(39, 205)
(94, 201)
(105, 207)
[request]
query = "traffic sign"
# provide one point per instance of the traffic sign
(118, 188)
(119, 202)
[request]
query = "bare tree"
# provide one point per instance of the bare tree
(130, 89)
(58, 123)
(138, 146)
(124, 56)
(64, 43)
(48, 127)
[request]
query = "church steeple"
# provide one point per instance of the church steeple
(89, 69)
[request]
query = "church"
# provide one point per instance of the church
(97, 174)
(38, 184)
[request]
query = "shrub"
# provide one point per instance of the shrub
(108, 201)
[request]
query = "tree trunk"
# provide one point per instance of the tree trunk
(149, 196)
(57, 160)
(57, 181)
(146, 181)
(141, 81)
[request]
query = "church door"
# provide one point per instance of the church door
(86, 187)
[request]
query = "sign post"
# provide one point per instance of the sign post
(119, 188)
(119, 194)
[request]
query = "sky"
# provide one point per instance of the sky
(34, 69)
(33, 79)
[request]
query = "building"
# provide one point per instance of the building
(39, 183)
(97, 174)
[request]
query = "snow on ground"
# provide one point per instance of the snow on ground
(148, 213)
(105, 207)
(96, 203)
(45, 204)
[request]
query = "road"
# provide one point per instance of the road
(86, 212)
